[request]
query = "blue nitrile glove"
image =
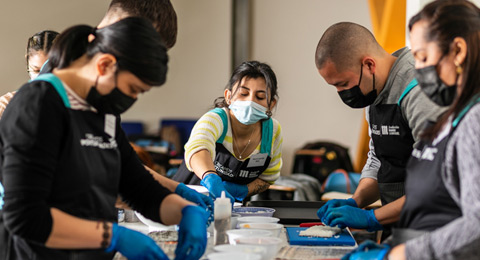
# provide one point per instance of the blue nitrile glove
(368, 250)
(347, 216)
(215, 186)
(1, 195)
(335, 204)
(134, 245)
(191, 195)
(238, 191)
(192, 233)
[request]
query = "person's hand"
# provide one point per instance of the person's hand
(335, 203)
(1, 195)
(238, 191)
(347, 216)
(134, 245)
(368, 250)
(191, 195)
(215, 186)
(192, 233)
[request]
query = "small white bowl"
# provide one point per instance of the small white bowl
(236, 233)
(274, 227)
(234, 256)
(254, 211)
(252, 249)
(271, 244)
(242, 220)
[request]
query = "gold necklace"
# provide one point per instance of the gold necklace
(245, 148)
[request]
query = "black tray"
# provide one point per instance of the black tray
(291, 212)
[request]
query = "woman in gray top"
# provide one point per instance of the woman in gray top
(441, 213)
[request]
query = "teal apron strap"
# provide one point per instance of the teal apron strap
(267, 136)
(222, 115)
(410, 86)
(462, 113)
(57, 84)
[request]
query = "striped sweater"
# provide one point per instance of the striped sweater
(208, 130)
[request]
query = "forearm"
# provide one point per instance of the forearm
(397, 253)
(170, 184)
(69, 232)
(367, 192)
(201, 162)
(257, 186)
(390, 213)
(171, 209)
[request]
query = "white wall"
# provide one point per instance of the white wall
(414, 6)
(199, 66)
(285, 35)
(21, 19)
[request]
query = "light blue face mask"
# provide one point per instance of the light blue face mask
(1, 195)
(248, 112)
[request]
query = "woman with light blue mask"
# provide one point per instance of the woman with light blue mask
(237, 146)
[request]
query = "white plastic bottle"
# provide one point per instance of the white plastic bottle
(222, 213)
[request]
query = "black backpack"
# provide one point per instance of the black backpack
(319, 159)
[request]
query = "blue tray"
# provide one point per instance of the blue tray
(342, 239)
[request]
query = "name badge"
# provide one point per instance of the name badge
(257, 160)
(110, 125)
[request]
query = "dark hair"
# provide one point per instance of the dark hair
(159, 12)
(251, 70)
(41, 41)
(343, 44)
(448, 19)
(133, 41)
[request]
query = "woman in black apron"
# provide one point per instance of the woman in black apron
(236, 147)
(440, 216)
(65, 158)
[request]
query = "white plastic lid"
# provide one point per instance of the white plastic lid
(223, 199)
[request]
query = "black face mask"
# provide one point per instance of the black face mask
(115, 102)
(434, 87)
(354, 97)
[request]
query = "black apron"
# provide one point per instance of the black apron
(227, 166)
(88, 174)
(428, 204)
(393, 142)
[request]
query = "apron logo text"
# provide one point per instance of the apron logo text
(428, 153)
(385, 130)
(223, 170)
(97, 141)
